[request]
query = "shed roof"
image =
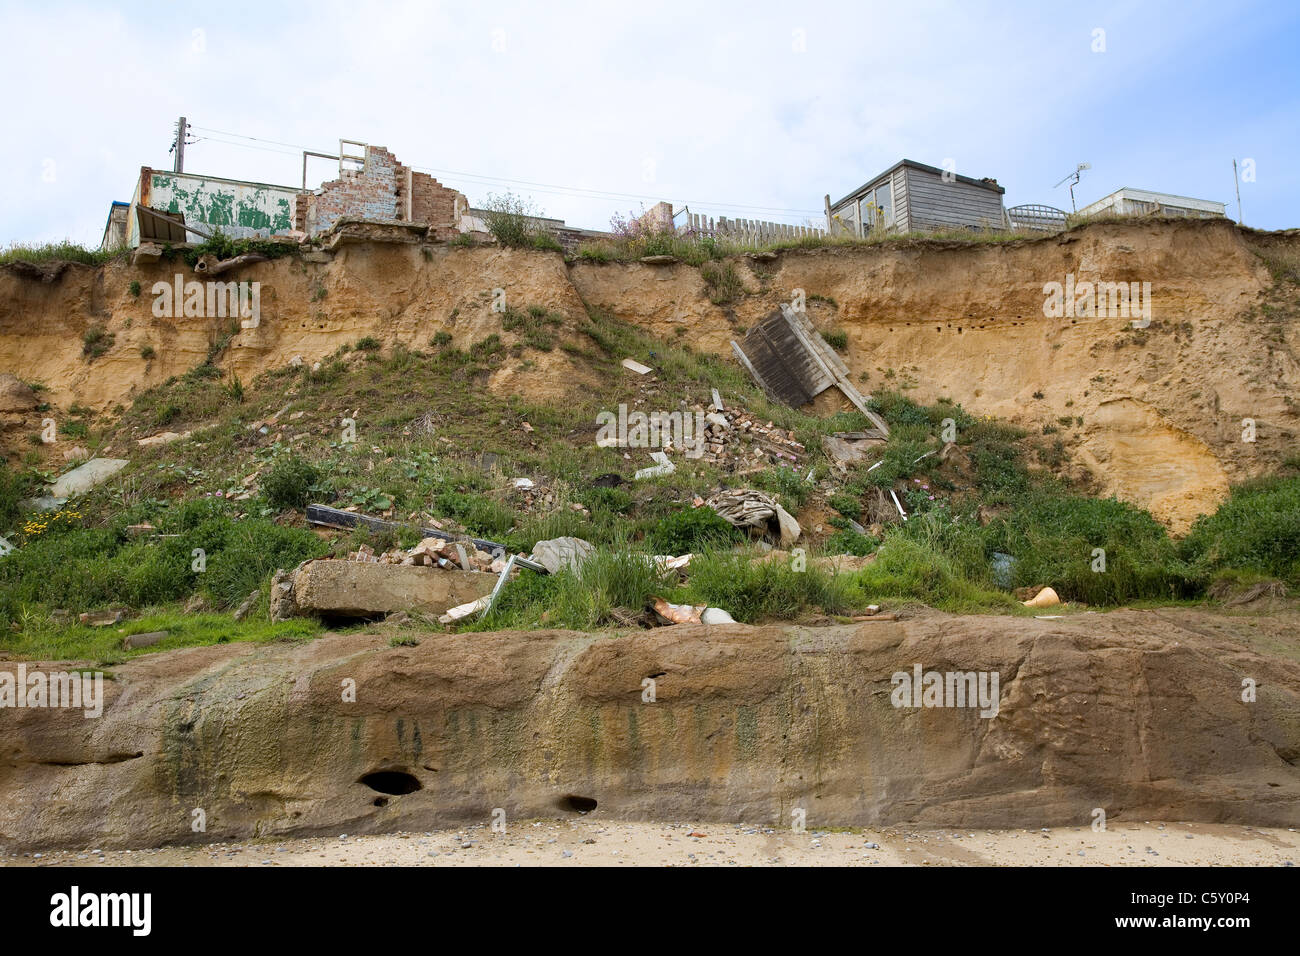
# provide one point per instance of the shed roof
(994, 187)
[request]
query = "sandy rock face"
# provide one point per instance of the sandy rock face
(1155, 414)
(1139, 713)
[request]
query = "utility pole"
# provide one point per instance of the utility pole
(179, 145)
(1236, 181)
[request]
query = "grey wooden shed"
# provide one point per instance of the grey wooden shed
(910, 196)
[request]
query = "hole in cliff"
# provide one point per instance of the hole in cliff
(576, 804)
(394, 782)
(381, 801)
(660, 674)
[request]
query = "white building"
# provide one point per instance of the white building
(1141, 202)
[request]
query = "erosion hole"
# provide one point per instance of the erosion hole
(576, 804)
(395, 782)
(381, 801)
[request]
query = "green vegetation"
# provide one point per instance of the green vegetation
(690, 530)
(80, 569)
(65, 251)
(837, 339)
(535, 326)
(1256, 530)
(41, 638)
(222, 246)
(723, 282)
(96, 341)
(514, 221)
(289, 482)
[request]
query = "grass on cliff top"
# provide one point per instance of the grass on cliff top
(65, 251)
(697, 250)
(42, 639)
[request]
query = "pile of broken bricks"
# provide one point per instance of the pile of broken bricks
(733, 434)
(434, 553)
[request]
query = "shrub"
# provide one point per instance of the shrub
(440, 339)
(65, 251)
(847, 505)
(512, 220)
(289, 482)
(134, 288)
(837, 339)
(722, 281)
(367, 344)
(479, 514)
(1052, 535)
(13, 488)
(147, 352)
(788, 483)
(250, 553)
(755, 590)
(850, 542)
(96, 341)
(691, 529)
(908, 569)
(1257, 529)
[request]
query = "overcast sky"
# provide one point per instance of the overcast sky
(748, 109)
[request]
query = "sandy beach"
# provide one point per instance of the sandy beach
(594, 842)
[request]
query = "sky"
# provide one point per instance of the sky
(753, 110)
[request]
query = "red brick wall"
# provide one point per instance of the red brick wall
(379, 192)
(435, 204)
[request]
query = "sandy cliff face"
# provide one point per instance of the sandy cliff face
(1139, 713)
(1161, 407)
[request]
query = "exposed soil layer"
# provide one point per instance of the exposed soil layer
(1155, 414)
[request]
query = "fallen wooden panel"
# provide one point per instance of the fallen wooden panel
(792, 363)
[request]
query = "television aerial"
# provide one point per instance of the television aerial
(1074, 181)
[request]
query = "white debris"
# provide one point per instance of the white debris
(665, 467)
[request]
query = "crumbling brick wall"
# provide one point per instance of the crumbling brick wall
(434, 203)
(379, 191)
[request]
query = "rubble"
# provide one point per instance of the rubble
(86, 476)
(748, 508)
(148, 639)
(556, 553)
(663, 467)
(690, 613)
(1047, 597)
(102, 618)
(332, 588)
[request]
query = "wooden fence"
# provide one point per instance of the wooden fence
(743, 230)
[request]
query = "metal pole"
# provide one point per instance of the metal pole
(1236, 182)
(181, 127)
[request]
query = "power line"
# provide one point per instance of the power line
(555, 189)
